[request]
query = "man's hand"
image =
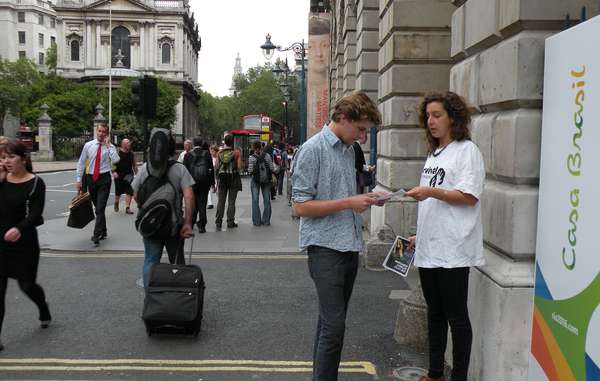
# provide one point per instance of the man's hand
(107, 140)
(420, 193)
(412, 241)
(186, 231)
(78, 186)
(12, 235)
(362, 202)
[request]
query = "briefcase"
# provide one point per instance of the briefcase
(81, 211)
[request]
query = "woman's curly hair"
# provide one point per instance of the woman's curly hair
(457, 110)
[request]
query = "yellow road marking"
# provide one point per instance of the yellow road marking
(98, 365)
(196, 256)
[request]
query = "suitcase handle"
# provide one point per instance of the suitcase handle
(181, 250)
(191, 247)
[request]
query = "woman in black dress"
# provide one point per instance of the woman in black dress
(23, 195)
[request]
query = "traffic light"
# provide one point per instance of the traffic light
(137, 96)
(149, 99)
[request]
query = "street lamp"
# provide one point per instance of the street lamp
(298, 48)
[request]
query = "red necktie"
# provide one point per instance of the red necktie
(96, 174)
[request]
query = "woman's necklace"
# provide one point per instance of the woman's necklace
(438, 153)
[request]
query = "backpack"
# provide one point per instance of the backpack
(201, 168)
(262, 172)
(159, 202)
(226, 162)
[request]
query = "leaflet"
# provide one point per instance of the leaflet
(400, 257)
(385, 197)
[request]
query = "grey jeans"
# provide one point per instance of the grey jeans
(333, 273)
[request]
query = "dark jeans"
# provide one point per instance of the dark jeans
(229, 192)
(333, 273)
(446, 291)
(32, 290)
(255, 189)
(280, 177)
(201, 196)
(153, 250)
(99, 192)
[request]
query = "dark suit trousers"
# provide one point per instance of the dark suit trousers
(201, 196)
(99, 192)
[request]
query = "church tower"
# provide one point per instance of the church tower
(237, 71)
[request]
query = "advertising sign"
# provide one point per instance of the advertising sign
(317, 89)
(565, 343)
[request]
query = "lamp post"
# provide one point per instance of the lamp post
(298, 48)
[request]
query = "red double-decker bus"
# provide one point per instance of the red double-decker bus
(256, 128)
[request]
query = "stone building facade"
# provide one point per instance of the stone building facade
(153, 37)
(492, 53)
(29, 29)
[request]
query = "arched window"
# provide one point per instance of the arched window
(74, 50)
(122, 45)
(166, 53)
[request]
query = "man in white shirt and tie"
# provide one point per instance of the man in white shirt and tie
(99, 154)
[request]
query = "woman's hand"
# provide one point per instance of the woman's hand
(420, 193)
(12, 235)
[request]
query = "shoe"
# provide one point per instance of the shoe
(45, 323)
(116, 207)
(210, 207)
(232, 225)
(427, 378)
(45, 317)
(218, 226)
(257, 224)
(201, 229)
(96, 240)
(267, 223)
(128, 211)
(103, 236)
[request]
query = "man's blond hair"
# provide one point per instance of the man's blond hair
(356, 106)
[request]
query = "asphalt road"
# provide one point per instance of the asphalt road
(259, 321)
(60, 189)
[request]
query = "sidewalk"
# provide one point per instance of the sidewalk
(280, 237)
(53, 166)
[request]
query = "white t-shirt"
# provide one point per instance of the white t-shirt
(448, 235)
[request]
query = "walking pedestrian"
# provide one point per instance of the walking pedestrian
(280, 158)
(270, 150)
(324, 193)
(23, 196)
(99, 154)
(449, 236)
(229, 182)
(214, 152)
(187, 147)
(123, 175)
(260, 166)
(158, 166)
(199, 163)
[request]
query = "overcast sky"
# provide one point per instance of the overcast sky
(229, 27)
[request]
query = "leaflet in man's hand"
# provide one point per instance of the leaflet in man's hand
(387, 196)
(400, 257)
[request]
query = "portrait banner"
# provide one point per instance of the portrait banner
(317, 89)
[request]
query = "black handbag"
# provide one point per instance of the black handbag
(81, 211)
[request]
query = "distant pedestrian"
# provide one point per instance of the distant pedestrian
(260, 167)
(449, 236)
(23, 196)
(99, 154)
(214, 152)
(123, 175)
(290, 157)
(280, 159)
(187, 147)
(270, 150)
(228, 181)
(158, 167)
(363, 171)
(200, 165)
(324, 193)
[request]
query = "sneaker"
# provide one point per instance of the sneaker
(128, 210)
(116, 207)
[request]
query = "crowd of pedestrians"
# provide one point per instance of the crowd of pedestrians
(328, 186)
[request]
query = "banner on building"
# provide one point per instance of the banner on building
(317, 89)
(565, 343)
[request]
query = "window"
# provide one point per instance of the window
(41, 40)
(21, 16)
(52, 40)
(166, 53)
(22, 54)
(41, 19)
(74, 50)
(121, 47)
(53, 23)
(21, 37)
(41, 59)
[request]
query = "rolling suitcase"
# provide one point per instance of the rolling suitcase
(174, 298)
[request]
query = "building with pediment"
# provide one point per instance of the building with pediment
(134, 38)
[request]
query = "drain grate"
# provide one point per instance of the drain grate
(408, 373)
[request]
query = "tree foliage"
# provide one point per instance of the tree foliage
(16, 78)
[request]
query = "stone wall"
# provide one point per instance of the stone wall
(498, 47)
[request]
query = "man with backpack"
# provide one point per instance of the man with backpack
(199, 163)
(260, 166)
(158, 189)
(229, 182)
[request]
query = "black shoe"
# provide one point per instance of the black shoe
(103, 236)
(96, 240)
(45, 317)
(218, 226)
(232, 225)
(201, 229)
(210, 207)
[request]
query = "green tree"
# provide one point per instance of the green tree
(16, 78)
(51, 58)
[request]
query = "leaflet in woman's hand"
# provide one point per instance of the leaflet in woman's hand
(385, 197)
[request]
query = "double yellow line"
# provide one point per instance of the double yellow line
(149, 365)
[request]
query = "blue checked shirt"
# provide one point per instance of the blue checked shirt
(324, 170)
